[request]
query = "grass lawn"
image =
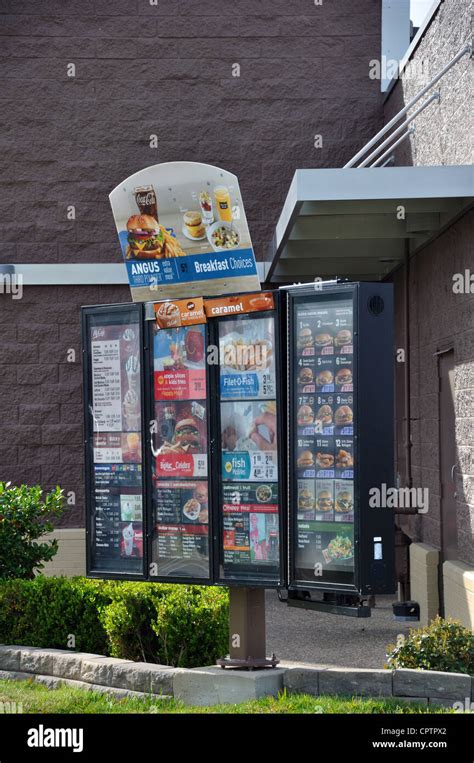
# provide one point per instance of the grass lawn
(37, 698)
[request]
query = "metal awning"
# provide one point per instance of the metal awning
(356, 223)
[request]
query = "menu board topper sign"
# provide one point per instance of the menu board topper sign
(180, 312)
(183, 232)
(238, 305)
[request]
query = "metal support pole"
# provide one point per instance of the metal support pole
(247, 630)
(394, 145)
(434, 97)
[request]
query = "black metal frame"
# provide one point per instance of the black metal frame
(149, 415)
(367, 390)
(109, 312)
(376, 431)
(259, 581)
(295, 296)
(372, 334)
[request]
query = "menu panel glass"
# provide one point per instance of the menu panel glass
(323, 449)
(249, 491)
(180, 504)
(116, 443)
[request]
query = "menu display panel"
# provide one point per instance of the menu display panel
(114, 442)
(324, 427)
(179, 454)
(249, 493)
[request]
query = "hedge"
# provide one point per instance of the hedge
(180, 625)
(444, 645)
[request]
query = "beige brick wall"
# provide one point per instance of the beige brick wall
(424, 560)
(458, 580)
(71, 557)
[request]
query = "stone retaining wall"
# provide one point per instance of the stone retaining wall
(92, 671)
(212, 685)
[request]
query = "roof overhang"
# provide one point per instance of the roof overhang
(359, 223)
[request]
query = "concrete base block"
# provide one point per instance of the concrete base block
(99, 670)
(302, 678)
(215, 686)
(10, 657)
(357, 682)
(432, 683)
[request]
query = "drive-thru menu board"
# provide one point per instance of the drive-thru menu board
(116, 443)
(324, 407)
(249, 493)
(180, 546)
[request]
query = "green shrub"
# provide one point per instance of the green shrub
(25, 516)
(127, 621)
(151, 622)
(192, 626)
(443, 645)
(47, 611)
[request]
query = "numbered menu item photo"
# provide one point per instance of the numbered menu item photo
(247, 359)
(249, 441)
(180, 439)
(324, 409)
(180, 544)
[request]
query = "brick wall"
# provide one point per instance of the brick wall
(438, 317)
(442, 134)
(142, 70)
(167, 70)
(41, 392)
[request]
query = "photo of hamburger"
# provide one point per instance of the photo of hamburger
(193, 225)
(148, 240)
(305, 415)
(343, 415)
(323, 378)
(344, 502)
(305, 460)
(187, 436)
(324, 415)
(344, 336)
(324, 340)
(305, 376)
(344, 460)
(145, 237)
(305, 499)
(324, 460)
(344, 376)
(305, 339)
(324, 502)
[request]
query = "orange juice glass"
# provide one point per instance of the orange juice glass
(221, 192)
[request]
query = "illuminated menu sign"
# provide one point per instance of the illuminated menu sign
(180, 546)
(116, 445)
(249, 494)
(324, 394)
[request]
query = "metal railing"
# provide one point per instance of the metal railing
(435, 96)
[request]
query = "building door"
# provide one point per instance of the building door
(448, 463)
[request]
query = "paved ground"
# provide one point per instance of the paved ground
(305, 636)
